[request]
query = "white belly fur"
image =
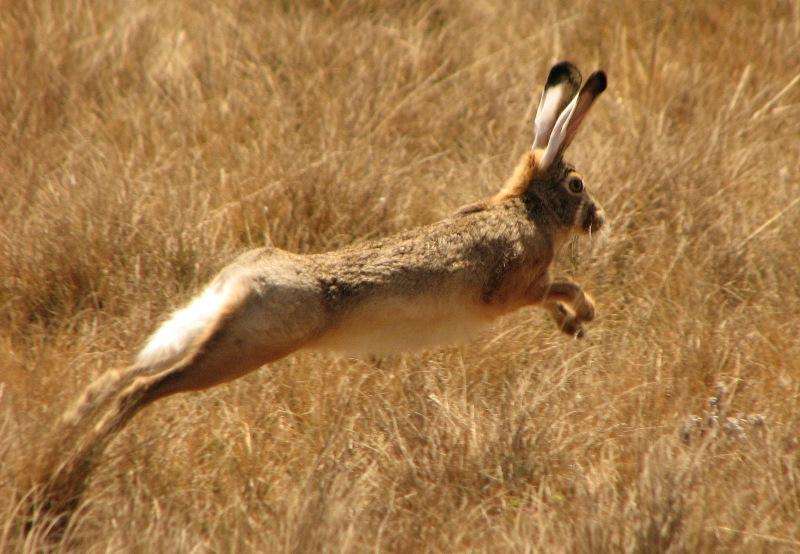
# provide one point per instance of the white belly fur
(391, 326)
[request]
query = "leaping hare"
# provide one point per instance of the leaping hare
(422, 287)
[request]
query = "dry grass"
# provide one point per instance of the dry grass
(145, 143)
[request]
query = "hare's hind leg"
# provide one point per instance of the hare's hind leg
(224, 357)
(63, 473)
(214, 364)
(257, 321)
(266, 324)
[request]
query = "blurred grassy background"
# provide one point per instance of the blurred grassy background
(143, 144)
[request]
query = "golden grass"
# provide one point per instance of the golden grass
(145, 143)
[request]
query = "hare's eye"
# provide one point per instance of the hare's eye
(575, 185)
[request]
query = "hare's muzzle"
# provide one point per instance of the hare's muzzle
(594, 219)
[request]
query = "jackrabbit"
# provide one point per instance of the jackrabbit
(449, 278)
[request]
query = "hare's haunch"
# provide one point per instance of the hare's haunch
(449, 278)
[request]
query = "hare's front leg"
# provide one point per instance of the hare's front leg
(571, 293)
(566, 301)
(566, 320)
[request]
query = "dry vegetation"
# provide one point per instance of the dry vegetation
(143, 144)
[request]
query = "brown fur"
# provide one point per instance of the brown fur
(450, 278)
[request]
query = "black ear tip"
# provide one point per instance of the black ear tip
(564, 72)
(597, 82)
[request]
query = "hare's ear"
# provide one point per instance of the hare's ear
(570, 119)
(562, 83)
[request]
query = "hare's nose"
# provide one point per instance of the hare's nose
(599, 217)
(596, 217)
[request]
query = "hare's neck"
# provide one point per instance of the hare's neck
(545, 220)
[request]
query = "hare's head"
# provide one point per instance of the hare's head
(548, 184)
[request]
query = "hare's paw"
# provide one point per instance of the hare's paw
(567, 321)
(574, 328)
(585, 311)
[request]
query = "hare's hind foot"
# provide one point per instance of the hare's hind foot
(584, 308)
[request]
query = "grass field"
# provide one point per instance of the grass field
(144, 144)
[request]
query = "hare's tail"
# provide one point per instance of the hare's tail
(66, 463)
